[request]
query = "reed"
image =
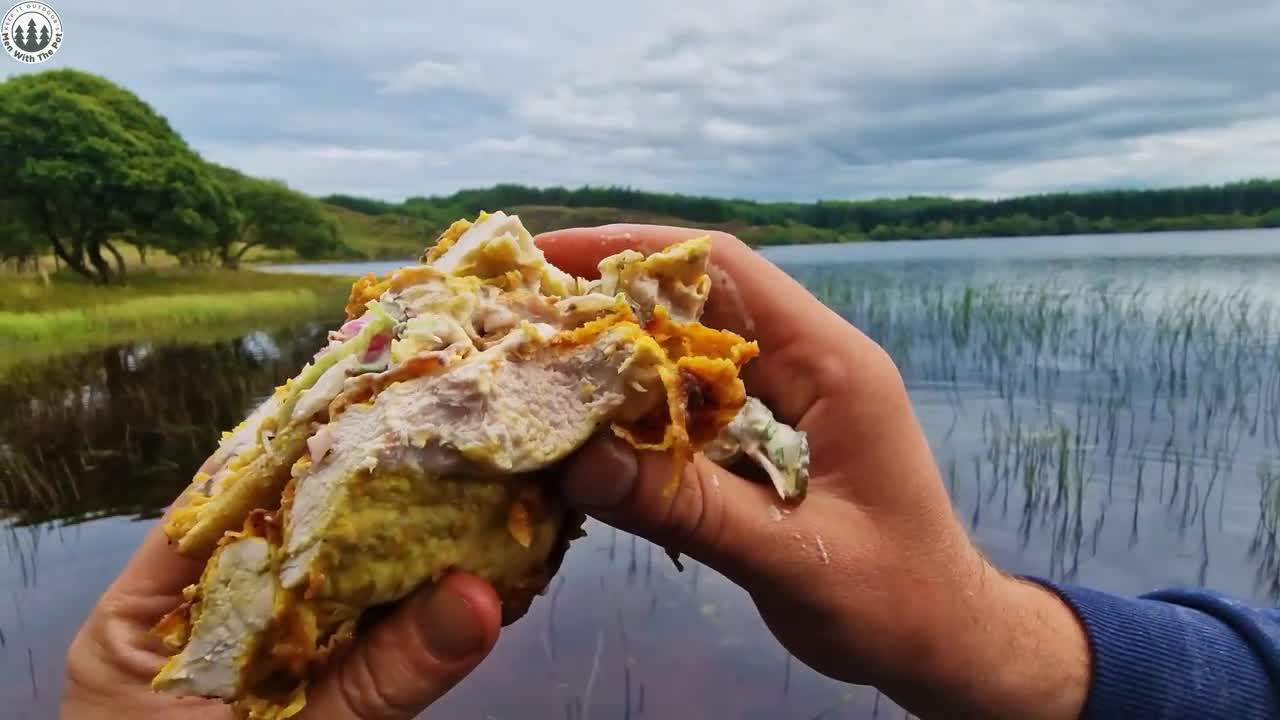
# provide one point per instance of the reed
(1091, 396)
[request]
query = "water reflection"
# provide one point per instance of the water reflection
(119, 431)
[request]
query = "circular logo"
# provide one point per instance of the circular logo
(31, 32)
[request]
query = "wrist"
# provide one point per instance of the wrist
(1005, 648)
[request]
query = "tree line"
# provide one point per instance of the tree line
(86, 167)
(1252, 203)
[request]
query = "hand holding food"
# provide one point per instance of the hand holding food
(871, 579)
(412, 446)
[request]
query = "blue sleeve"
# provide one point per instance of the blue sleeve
(1177, 654)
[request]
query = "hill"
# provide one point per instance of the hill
(382, 237)
(393, 235)
(1246, 204)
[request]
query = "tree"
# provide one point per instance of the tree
(44, 36)
(195, 210)
(17, 241)
(1066, 223)
(19, 38)
(83, 161)
(273, 215)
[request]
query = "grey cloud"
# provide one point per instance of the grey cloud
(735, 97)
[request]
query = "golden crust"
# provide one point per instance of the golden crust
(687, 383)
(448, 238)
(363, 290)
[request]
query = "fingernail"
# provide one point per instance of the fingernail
(450, 629)
(601, 475)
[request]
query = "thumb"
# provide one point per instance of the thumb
(411, 658)
(713, 515)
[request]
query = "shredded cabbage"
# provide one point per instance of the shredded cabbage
(381, 322)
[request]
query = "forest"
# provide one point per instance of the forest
(88, 170)
(1246, 204)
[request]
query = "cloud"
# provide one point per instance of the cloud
(734, 97)
(730, 132)
(374, 171)
(423, 75)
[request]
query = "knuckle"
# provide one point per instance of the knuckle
(856, 363)
(828, 370)
(365, 695)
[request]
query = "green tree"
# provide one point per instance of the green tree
(882, 232)
(1066, 223)
(272, 215)
(17, 240)
(83, 161)
(201, 211)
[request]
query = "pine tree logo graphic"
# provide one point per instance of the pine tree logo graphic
(31, 32)
(36, 35)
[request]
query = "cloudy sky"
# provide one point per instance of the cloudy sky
(751, 98)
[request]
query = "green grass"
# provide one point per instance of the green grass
(381, 237)
(139, 315)
(66, 314)
(27, 293)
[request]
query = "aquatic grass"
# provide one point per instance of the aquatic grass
(1095, 390)
(1266, 540)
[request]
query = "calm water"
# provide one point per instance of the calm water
(1105, 411)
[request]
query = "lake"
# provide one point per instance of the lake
(1105, 410)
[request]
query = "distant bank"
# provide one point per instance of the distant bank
(378, 229)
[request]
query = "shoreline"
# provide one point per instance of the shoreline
(66, 316)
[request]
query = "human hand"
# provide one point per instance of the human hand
(871, 579)
(400, 665)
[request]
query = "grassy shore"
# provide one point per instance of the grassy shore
(43, 317)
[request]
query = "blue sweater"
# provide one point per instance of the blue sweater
(1178, 654)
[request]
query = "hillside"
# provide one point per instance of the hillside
(382, 237)
(392, 235)
(1247, 204)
